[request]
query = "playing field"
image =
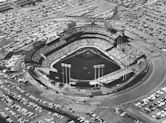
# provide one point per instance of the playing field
(83, 62)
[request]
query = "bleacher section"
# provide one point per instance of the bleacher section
(89, 35)
(90, 29)
(101, 44)
(92, 35)
(125, 54)
(44, 50)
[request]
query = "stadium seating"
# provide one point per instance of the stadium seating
(101, 44)
(125, 54)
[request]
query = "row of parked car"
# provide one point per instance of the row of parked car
(124, 114)
(6, 100)
(22, 99)
(5, 116)
(51, 117)
(155, 104)
(41, 101)
(34, 98)
(82, 119)
(95, 117)
(151, 98)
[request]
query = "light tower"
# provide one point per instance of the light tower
(66, 73)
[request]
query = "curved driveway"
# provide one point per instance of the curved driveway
(155, 80)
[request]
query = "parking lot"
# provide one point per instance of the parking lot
(154, 105)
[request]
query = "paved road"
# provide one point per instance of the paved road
(153, 82)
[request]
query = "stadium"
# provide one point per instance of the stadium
(88, 57)
(82, 61)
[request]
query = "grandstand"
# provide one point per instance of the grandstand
(66, 38)
(62, 58)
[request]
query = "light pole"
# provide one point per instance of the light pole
(69, 68)
(102, 69)
(66, 71)
(96, 71)
(99, 70)
(63, 73)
